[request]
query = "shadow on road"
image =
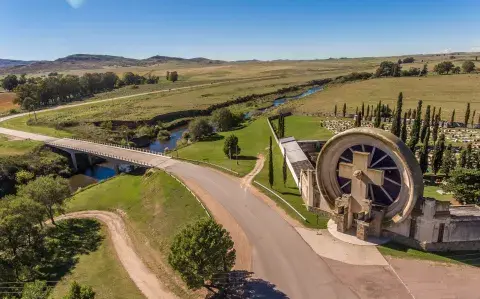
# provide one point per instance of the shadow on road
(241, 285)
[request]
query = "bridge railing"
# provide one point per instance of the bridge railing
(138, 149)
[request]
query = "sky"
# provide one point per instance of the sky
(236, 29)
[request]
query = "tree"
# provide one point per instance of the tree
(224, 120)
(468, 66)
(167, 76)
(438, 154)
(378, 115)
(31, 105)
(443, 67)
(473, 117)
(10, 82)
(358, 120)
(465, 185)
(80, 292)
(22, 239)
(462, 161)
(449, 162)
(48, 191)
(344, 111)
(452, 118)
(424, 71)
(24, 176)
(456, 70)
(415, 132)
(35, 290)
(408, 60)
(432, 121)
(230, 147)
(200, 251)
(424, 153)
(470, 159)
(284, 168)
(270, 164)
(368, 111)
(172, 76)
(388, 69)
(397, 120)
(436, 124)
(335, 110)
(467, 114)
(363, 109)
(199, 128)
(403, 133)
(281, 126)
(425, 124)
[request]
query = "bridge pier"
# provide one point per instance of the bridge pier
(74, 160)
(116, 168)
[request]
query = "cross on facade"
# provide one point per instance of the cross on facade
(361, 176)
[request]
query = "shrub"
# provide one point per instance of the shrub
(163, 135)
(465, 185)
(468, 66)
(199, 128)
(145, 131)
(224, 120)
(408, 60)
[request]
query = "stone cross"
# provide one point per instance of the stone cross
(361, 176)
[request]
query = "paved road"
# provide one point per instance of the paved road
(280, 256)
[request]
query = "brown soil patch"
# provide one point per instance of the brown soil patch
(6, 101)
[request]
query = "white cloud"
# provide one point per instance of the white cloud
(75, 3)
(475, 49)
(447, 51)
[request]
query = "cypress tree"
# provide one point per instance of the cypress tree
(473, 116)
(356, 110)
(284, 168)
(433, 115)
(449, 161)
(436, 123)
(363, 109)
(463, 158)
(344, 111)
(270, 163)
(424, 153)
(452, 118)
(438, 154)
(470, 159)
(414, 114)
(378, 118)
(415, 132)
(397, 119)
(440, 113)
(409, 115)
(467, 114)
(426, 123)
(368, 111)
(403, 135)
(335, 110)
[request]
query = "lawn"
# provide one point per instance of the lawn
(156, 208)
(448, 91)
(458, 257)
(20, 123)
(16, 147)
(431, 191)
(305, 127)
(252, 139)
(107, 277)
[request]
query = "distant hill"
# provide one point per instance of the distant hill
(5, 63)
(91, 61)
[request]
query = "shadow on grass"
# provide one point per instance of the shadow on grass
(214, 137)
(241, 285)
(65, 242)
(245, 158)
(469, 257)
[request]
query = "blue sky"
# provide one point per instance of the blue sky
(234, 30)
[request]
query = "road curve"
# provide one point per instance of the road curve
(140, 274)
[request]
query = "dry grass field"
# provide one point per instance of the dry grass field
(448, 91)
(6, 101)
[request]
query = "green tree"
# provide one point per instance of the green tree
(363, 109)
(378, 115)
(36, 290)
(24, 176)
(397, 120)
(436, 124)
(424, 71)
(432, 121)
(462, 161)
(467, 114)
(224, 120)
(284, 168)
(335, 110)
(31, 104)
(368, 111)
(470, 159)
(10, 82)
(199, 128)
(270, 164)
(48, 191)
(468, 66)
(344, 110)
(200, 251)
(80, 292)
(230, 147)
(424, 153)
(465, 185)
(403, 132)
(456, 70)
(452, 118)
(438, 154)
(473, 117)
(449, 161)
(415, 132)
(444, 67)
(425, 124)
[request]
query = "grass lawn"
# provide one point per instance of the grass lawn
(459, 257)
(16, 147)
(305, 127)
(107, 277)
(157, 207)
(20, 123)
(431, 191)
(252, 139)
(449, 92)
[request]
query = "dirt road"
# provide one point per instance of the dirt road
(143, 278)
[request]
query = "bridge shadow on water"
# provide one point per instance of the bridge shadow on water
(242, 285)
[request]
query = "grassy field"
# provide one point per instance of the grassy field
(431, 191)
(107, 277)
(457, 257)
(16, 147)
(20, 123)
(156, 208)
(305, 127)
(449, 92)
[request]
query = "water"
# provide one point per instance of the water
(91, 175)
(283, 100)
(175, 135)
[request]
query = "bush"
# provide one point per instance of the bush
(163, 135)
(388, 69)
(224, 120)
(465, 185)
(145, 131)
(199, 128)
(468, 66)
(408, 60)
